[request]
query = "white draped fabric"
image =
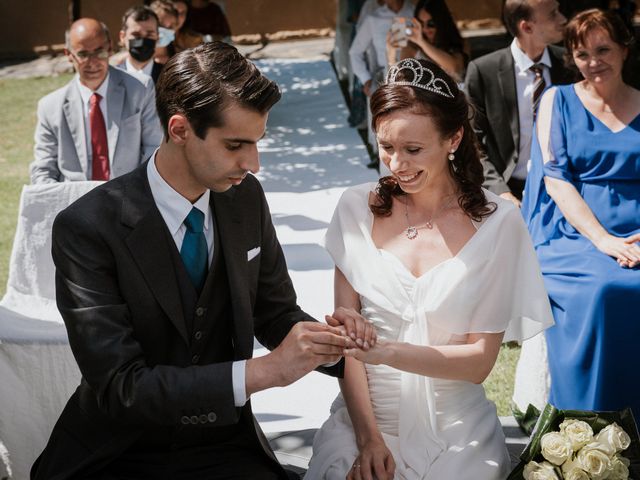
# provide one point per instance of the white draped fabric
(435, 428)
(37, 368)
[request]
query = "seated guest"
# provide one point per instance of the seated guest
(167, 25)
(100, 125)
(208, 19)
(582, 204)
(184, 37)
(505, 88)
(432, 34)
(138, 36)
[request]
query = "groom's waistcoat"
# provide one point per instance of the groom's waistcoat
(209, 321)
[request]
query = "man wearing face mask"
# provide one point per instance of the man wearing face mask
(167, 24)
(139, 36)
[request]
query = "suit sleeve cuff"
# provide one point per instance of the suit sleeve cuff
(238, 380)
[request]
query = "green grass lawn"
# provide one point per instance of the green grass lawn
(18, 100)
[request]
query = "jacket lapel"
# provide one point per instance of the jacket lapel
(149, 243)
(74, 115)
(115, 102)
(231, 231)
(507, 82)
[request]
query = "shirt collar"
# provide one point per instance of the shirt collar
(86, 92)
(384, 10)
(173, 206)
(146, 69)
(523, 62)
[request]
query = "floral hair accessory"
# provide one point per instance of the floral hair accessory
(423, 77)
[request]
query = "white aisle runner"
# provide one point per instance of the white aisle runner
(309, 156)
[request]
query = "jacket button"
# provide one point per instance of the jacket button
(200, 311)
(185, 420)
(203, 418)
(195, 359)
(194, 420)
(212, 417)
(198, 335)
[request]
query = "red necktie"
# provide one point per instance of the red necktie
(99, 146)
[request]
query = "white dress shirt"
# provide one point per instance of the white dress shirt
(85, 94)
(373, 31)
(174, 208)
(525, 79)
(143, 74)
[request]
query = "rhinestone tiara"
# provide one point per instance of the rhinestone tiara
(420, 74)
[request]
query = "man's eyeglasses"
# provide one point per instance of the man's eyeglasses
(83, 56)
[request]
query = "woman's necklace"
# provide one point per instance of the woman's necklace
(412, 231)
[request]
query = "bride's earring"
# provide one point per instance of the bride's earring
(451, 155)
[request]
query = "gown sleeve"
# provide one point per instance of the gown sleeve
(497, 286)
(552, 137)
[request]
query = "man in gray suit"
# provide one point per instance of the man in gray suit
(503, 86)
(100, 125)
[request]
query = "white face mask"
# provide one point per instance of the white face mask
(165, 36)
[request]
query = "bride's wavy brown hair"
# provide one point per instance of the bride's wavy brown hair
(449, 115)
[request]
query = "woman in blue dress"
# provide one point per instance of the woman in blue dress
(582, 206)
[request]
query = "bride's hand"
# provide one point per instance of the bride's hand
(356, 326)
(379, 353)
(374, 462)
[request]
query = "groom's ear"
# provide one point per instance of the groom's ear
(178, 129)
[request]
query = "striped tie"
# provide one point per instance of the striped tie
(538, 87)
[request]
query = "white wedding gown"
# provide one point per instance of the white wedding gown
(436, 429)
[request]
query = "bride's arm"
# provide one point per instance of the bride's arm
(471, 362)
(374, 455)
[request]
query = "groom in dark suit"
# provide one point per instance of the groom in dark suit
(164, 276)
(503, 88)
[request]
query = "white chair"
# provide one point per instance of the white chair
(532, 381)
(37, 368)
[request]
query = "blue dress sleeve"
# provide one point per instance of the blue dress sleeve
(556, 162)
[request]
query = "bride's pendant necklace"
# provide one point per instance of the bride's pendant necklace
(412, 231)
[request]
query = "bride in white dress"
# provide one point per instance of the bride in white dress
(445, 271)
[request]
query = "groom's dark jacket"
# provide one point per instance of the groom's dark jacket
(155, 358)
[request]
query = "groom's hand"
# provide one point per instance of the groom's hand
(307, 346)
(359, 329)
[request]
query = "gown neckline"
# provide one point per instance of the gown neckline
(370, 218)
(604, 125)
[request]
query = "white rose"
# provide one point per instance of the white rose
(619, 468)
(578, 432)
(556, 447)
(572, 470)
(614, 438)
(539, 471)
(594, 461)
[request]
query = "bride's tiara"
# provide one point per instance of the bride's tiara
(423, 77)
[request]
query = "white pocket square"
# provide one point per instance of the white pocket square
(253, 253)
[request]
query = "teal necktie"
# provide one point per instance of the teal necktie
(194, 251)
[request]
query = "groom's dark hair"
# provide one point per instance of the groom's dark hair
(200, 83)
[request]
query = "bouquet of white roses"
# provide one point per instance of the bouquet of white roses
(579, 445)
